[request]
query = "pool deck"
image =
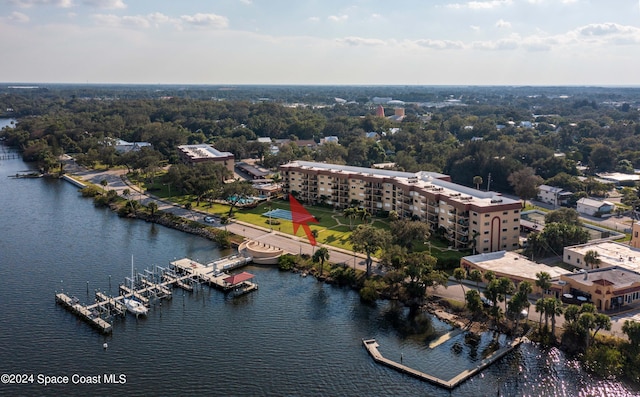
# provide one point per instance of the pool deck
(372, 348)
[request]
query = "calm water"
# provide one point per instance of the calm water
(293, 337)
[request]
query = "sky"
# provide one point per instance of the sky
(325, 42)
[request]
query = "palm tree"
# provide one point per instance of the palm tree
(540, 309)
(350, 213)
(476, 276)
(321, 255)
(554, 308)
(153, 207)
(477, 180)
(592, 258)
(104, 184)
(459, 274)
(543, 281)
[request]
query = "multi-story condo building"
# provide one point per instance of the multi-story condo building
(467, 217)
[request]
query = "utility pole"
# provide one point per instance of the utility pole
(489, 182)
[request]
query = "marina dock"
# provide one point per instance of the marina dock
(156, 285)
(372, 348)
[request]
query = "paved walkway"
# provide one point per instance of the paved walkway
(117, 181)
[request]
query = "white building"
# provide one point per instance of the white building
(553, 195)
(593, 207)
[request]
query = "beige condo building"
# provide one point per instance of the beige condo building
(464, 215)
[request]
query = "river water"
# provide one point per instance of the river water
(293, 337)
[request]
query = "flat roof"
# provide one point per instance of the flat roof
(510, 263)
(203, 151)
(423, 179)
(611, 254)
(616, 276)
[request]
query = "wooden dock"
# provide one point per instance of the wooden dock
(84, 313)
(184, 273)
(372, 348)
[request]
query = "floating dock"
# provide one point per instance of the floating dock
(183, 273)
(372, 348)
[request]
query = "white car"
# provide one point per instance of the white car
(209, 219)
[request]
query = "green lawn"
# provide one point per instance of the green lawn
(333, 228)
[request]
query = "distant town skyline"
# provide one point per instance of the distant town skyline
(353, 42)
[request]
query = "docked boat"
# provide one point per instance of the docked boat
(134, 306)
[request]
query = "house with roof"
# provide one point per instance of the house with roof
(593, 207)
(329, 139)
(124, 146)
(553, 195)
(609, 288)
(515, 267)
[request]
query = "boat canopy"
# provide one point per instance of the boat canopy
(238, 278)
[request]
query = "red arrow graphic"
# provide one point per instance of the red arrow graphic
(301, 217)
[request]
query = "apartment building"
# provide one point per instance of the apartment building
(193, 154)
(467, 217)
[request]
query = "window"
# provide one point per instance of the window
(487, 232)
(475, 223)
(504, 221)
(486, 215)
(486, 241)
(516, 219)
(578, 260)
(486, 223)
(568, 257)
(504, 230)
(516, 211)
(516, 228)
(505, 213)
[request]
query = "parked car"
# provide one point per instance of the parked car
(209, 219)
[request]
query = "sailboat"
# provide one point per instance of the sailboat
(134, 306)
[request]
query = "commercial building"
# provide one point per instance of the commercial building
(515, 267)
(608, 289)
(467, 217)
(193, 154)
(553, 195)
(609, 254)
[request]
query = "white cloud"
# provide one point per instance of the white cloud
(360, 41)
(105, 4)
(16, 17)
(31, 3)
(313, 19)
(607, 33)
(338, 18)
(501, 45)
(210, 20)
(440, 44)
(502, 24)
(481, 5)
(135, 21)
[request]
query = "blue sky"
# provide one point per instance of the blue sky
(481, 42)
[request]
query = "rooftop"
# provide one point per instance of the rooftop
(616, 276)
(508, 262)
(611, 254)
(203, 151)
(422, 179)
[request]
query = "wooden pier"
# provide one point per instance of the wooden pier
(372, 348)
(84, 313)
(183, 273)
